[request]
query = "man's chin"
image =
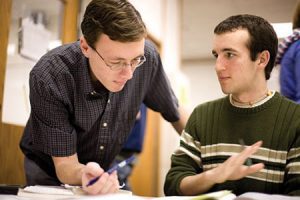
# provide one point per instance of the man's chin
(116, 89)
(225, 91)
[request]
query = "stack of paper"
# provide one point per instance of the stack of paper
(220, 195)
(58, 192)
(49, 192)
(262, 196)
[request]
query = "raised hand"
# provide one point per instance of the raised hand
(233, 168)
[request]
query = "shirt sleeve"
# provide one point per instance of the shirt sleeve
(51, 130)
(160, 96)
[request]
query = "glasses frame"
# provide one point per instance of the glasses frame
(123, 65)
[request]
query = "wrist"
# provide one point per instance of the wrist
(212, 176)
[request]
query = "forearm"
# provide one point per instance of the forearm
(180, 124)
(232, 169)
(197, 184)
(68, 172)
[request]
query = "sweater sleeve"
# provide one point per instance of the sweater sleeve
(292, 180)
(185, 161)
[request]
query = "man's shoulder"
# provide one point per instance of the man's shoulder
(150, 48)
(288, 105)
(59, 60)
(211, 103)
(208, 106)
(64, 49)
(289, 101)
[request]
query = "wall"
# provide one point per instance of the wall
(17, 66)
(204, 85)
(200, 17)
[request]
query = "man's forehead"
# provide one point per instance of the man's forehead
(231, 39)
(240, 32)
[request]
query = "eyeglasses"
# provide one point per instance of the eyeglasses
(135, 63)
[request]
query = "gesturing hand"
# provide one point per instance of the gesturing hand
(233, 168)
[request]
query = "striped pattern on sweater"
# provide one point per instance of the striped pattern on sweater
(212, 135)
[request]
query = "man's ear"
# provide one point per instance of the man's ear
(263, 58)
(85, 48)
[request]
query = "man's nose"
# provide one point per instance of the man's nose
(220, 65)
(127, 71)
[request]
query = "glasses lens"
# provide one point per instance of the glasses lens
(116, 67)
(134, 64)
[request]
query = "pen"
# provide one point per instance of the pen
(114, 168)
(248, 161)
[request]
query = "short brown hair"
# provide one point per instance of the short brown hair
(116, 18)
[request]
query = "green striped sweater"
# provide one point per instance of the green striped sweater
(212, 135)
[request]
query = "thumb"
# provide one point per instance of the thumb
(92, 169)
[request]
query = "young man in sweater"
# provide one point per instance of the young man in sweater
(211, 156)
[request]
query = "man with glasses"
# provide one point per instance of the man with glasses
(85, 97)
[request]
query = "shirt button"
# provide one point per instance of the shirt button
(101, 147)
(104, 124)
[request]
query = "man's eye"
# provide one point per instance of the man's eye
(115, 63)
(136, 60)
(229, 55)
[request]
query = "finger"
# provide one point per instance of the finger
(93, 169)
(102, 183)
(114, 189)
(90, 171)
(116, 181)
(248, 151)
(253, 148)
(255, 168)
(99, 185)
(110, 185)
(258, 143)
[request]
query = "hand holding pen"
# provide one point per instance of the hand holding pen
(96, 181)
(114, 168)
